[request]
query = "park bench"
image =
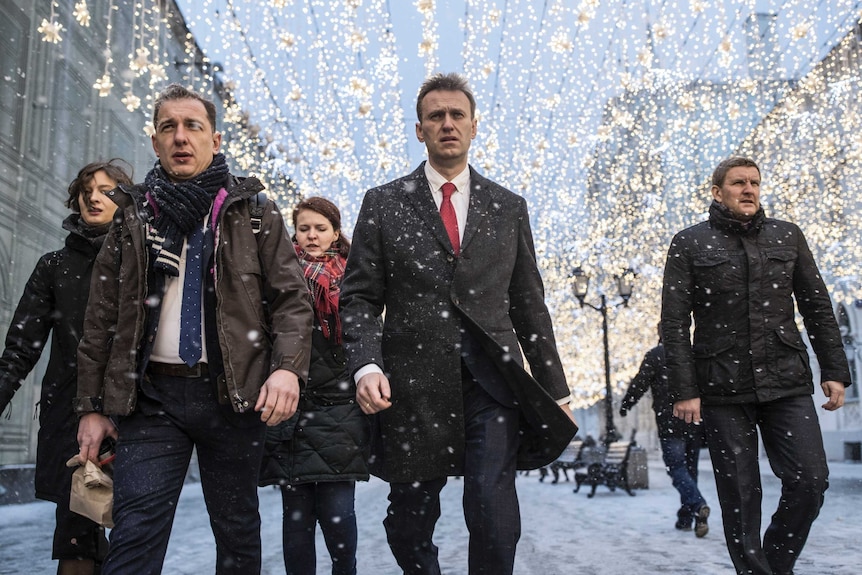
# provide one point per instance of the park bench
(612, 471)
(570, 458)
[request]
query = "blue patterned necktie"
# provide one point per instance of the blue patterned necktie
(190, 316)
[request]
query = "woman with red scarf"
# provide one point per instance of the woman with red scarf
(318, 454)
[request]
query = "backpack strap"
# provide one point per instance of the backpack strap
(256, 205)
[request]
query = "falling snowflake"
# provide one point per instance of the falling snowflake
(82, 14)
(50, 31)
(104, 85)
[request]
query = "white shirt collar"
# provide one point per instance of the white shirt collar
(436, 181)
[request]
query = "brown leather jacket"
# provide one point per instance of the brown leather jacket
(249, 268)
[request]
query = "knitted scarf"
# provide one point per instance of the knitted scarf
(323, 275)
(720, 216)
(180, 206)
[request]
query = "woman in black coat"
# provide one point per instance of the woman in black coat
(317, 455)
(54, 300)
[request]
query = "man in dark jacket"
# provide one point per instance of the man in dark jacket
(680, 441)
(198, 319)
(748, 369)
(448, 255)
(53, 304)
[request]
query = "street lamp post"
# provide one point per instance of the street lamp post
(624, 286)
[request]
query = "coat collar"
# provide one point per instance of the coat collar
(419, 193)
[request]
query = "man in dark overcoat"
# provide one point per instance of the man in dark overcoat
(440, 296)
(748, 371)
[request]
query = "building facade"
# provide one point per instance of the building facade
(54, 120)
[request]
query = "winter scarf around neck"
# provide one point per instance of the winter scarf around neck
(95, 235)
(721, 217)
(180, 206)
(323, 275)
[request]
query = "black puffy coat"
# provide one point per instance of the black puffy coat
(740, 282)
(54, 299)
(328, 437)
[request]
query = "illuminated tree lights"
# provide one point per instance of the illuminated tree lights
(607, 116)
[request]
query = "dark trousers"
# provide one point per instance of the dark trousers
(490, 501)
(153, 453)
(794, 447)
(331, 505)
(680, 456)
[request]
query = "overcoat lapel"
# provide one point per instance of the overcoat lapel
(423, 202)
(480, 197)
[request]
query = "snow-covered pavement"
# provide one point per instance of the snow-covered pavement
(563, 533)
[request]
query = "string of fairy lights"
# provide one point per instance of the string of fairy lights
(607, 116)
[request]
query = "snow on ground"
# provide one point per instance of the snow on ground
(562, 532)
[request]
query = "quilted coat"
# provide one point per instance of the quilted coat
(327, 439)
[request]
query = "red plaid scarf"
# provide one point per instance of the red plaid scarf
(323, 275)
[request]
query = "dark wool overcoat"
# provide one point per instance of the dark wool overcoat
(405, 299)
(53, 302)
(740, 283)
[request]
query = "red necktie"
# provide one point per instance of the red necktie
(447, 214)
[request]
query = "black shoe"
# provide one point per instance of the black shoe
(701, 528)
(683, 519)
(683, 524)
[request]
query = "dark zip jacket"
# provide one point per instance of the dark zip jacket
(740, 282)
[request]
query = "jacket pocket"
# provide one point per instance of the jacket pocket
(716, 366)
(717, 271)
(789, 356)
(780, 263)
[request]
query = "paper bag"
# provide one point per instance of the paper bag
(92, 494)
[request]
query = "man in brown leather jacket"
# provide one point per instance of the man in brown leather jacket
(197, 335)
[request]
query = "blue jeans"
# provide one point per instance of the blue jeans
(153, 452)
(331, 505)
(680, 456)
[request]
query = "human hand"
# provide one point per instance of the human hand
(688, 410)
(93, 428)
(278, 398)
(373, 393)
(834, 390)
